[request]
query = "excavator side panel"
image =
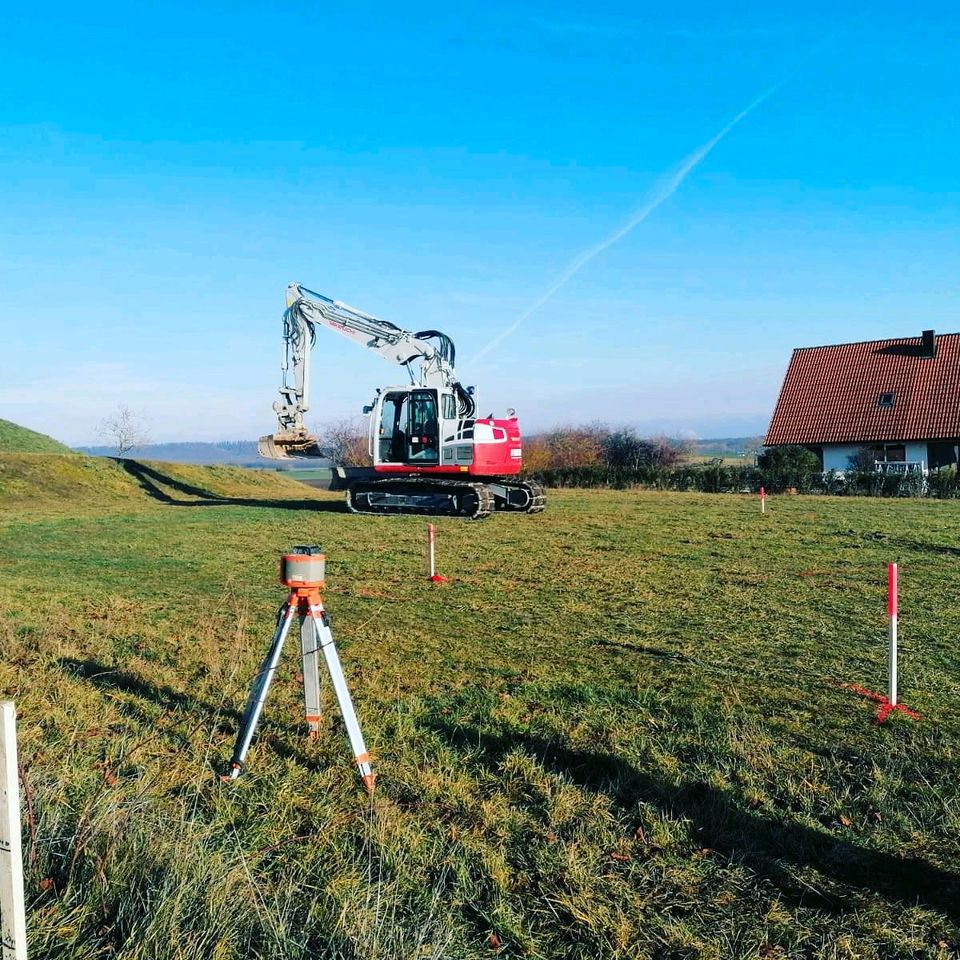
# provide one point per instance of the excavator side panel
(497, 448)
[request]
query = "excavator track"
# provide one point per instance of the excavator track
(518, 496)
(419, 497)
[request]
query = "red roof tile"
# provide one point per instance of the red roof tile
(831, 394)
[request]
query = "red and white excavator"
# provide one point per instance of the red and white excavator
(431, 453)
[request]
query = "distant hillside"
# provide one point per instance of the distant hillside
(17, 439)
(235, 453)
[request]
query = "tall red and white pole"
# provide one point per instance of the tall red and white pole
(432, 546)
(888, 704)
(763, 500)
(892, 632)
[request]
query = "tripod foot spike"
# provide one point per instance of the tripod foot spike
(234, 771)
(369, 781)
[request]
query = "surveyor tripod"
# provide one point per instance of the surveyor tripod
(303, 572)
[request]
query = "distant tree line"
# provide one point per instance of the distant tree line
(596, 445)
(596, 455)
(790, 469)
(591, 445)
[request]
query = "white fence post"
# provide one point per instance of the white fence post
(13, 920)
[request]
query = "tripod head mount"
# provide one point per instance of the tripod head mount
(304, 568)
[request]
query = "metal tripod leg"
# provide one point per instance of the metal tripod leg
(310, 651)
(258, 695)
(361, 757)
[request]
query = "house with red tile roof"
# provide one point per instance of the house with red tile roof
(899, 398)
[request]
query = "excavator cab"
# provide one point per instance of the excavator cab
(408, 427)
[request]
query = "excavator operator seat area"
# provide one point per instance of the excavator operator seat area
(409, 429)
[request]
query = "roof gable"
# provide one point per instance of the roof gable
(831, 394)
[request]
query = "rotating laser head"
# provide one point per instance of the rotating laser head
(304, 566)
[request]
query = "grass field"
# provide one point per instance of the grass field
(620, 731)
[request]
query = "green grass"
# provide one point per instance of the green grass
(17, 439)
(620, 731)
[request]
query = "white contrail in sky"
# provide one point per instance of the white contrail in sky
(662, 192)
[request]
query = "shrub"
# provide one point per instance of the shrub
(789, 466)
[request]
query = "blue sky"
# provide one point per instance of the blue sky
(166, 169)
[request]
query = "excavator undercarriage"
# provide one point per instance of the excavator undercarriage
(472, 499)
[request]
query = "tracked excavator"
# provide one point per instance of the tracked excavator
(431, 453)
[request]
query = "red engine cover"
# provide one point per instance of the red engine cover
(500, 455)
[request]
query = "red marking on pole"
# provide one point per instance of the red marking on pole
(763, 493)
(885, 707)
(891, 589)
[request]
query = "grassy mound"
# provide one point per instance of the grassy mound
(82, 484)
(17, 439)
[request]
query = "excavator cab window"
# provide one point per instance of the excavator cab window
(423, 444)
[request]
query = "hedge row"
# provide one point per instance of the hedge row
(714, 478)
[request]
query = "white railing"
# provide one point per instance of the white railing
(899, 466)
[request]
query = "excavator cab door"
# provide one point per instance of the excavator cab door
(423, 438)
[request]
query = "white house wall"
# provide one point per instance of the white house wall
(836, 456)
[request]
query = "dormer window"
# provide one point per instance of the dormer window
(886, 399)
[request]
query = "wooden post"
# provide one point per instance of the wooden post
(12, 913)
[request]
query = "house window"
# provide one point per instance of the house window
(886, 399)
(889, 452)
(895, 453)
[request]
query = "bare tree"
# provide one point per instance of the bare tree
(124, 430)
(752, 449)
(666, 452)
(344, 442)
(863, 459)
(580, 446)
(626, 448)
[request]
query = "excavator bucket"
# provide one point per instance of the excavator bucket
(288, 446)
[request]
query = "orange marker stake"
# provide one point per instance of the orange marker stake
(763, 500)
